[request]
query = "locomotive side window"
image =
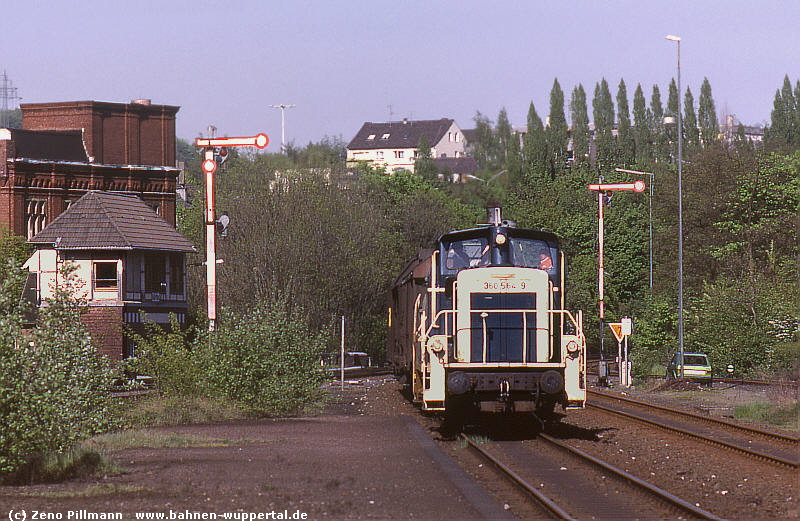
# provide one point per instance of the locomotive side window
(469, 253)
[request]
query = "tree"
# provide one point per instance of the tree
(603, 114)
(673, 107)
(784, 130)
(503, 131)
(642, 136)
(690, 131)
(707, 115)
(424, 165)
(580, 125)
(660, 147)
(625, 140)
(556, 131)
(534, 147)
(485, 148)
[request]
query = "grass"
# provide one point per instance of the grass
(106, 489)
(153, 411)
(79, 462)
(151, 439)
(784, 416)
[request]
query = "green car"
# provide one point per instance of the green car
(697, 368)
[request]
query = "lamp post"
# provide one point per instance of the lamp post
(652, 180)
(283, 108)
(677, 40)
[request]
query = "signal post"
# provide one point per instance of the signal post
(601, 189)
(211, 147)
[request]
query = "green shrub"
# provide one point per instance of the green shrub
(267, 359)
(53, 381)
(167, 356)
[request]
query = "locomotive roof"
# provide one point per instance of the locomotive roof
(516, 232)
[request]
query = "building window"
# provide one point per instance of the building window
(398, 154)
(155, 274)
(35, 215)
(385, 136)
(455, 136)
(450, 137)
(380, 154)
(176, 274)
(156, 207)
(105, 275)
(370, 137)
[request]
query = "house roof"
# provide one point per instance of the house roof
(109, 221)
(399, 134)
(52, 145)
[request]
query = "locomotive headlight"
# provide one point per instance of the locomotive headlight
(500, 239)
(572, 348)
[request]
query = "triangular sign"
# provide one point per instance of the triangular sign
(616, 328)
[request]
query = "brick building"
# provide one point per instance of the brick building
(69, 148)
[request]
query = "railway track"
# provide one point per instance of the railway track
(754, 442)
(570, 500)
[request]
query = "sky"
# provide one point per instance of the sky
(343, 63)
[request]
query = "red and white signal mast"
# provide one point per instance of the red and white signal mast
(213, 147)
(601, 189)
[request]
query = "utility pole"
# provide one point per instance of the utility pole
(283, 108)
(7, 93)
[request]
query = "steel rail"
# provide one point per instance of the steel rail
(707, 419)
(545, 501)
(659, 492)
(744, 450)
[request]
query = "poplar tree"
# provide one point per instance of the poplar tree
(690, 130)
(534, 146)
(556, 132)
(503, 132)
(672, 110)
(785, 117)
(580, 124)
(642, 138)
(603, 115)
(485, 146)
(625, 144)
(423, 164)
(660, 151)
(707, 114)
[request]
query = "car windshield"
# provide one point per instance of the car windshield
(696, 360)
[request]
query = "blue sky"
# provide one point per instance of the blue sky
(343, 63)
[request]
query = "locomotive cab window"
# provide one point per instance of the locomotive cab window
(533, 253)
(468, 253)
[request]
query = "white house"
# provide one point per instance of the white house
(394, 145)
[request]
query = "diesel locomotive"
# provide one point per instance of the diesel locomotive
(478, 324)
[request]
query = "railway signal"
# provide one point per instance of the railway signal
(212, 148)
(602, 189)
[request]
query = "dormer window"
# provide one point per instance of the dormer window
(370, 137)
(385, 136)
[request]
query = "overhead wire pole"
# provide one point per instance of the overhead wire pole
(210, 147)
(283, 108)
(677, 39)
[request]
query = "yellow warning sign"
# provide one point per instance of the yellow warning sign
(616, 328)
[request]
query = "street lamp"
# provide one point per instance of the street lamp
(652, 180)
(283, 108)
(677, 40)
(476, 178)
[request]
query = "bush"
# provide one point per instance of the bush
(267, 359)
(53, 382)
(167, 357)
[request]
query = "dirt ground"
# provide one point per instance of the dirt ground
(357, 460)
